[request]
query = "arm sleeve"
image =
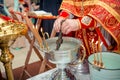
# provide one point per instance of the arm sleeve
(66, 14)
(87, 22)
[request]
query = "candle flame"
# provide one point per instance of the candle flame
(96, 42)
(41, 29)
(33, 27)
(92, 40)
(101, 43)
(36, 27)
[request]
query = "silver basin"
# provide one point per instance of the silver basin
(66, 53)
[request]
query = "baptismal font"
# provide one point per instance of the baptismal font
(67, 53)
(9, 31)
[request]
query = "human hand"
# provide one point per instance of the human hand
(57, 23)
(70, 25)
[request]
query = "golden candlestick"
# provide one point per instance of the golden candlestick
(9, 31)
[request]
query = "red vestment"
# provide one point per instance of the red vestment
(105, 12)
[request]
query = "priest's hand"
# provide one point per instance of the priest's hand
(67, 26)
(57, 23)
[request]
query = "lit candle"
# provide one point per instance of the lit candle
(93, 45)
(96, 49)
(101, 62)
(33, 27)
(35, 32)
(94, 62)
(43, 35)
(36, 27)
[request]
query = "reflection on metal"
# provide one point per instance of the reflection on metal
(60, 40)
(66, 54)
(9, 31)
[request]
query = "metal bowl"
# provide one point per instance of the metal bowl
(66, 53)
(111, 70)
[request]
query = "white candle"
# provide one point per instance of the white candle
(96, 49)
(43, 34)
(33, 27)
(35, 32)
(101, 62)
(94, 62)
(93, 45)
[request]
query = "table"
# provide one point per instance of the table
(46, 76)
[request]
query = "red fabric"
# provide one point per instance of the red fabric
(101, 37)
(71, 34)
(87, 26)
(6, 18)
(64, 14)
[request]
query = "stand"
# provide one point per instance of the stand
(34, 30)
(12, 31)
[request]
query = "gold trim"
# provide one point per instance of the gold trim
(85, 40)
(110, 10)
(96, 2)
(105, 27)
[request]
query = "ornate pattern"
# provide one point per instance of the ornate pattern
(108, 21)
(90, 34)
(86, 20)
(106, 12)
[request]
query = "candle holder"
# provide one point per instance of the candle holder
(9, 31)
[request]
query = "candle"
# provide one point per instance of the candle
(101, 62)
(43, 35)
(94, 62)
(93, 45)
(33, 27)
(35, 32)
(36, 27)
(96, 49)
